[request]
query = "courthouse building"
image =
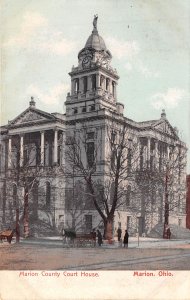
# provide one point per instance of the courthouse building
(33, 148)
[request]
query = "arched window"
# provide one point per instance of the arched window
(76, 85)
(48, 194)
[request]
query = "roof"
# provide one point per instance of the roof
(95, 41)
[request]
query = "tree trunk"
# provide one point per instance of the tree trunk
(26, 213)
(108, 229)
(166, 207)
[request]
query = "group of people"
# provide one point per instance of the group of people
(125, 239)
(119, 232)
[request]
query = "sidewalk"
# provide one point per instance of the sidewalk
(134, 242)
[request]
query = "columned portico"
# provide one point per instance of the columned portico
(21, 150)
(9, 153)
(42, 148)
(55, 146)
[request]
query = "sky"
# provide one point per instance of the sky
(148, 39)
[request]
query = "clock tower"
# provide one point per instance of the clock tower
(93, 81)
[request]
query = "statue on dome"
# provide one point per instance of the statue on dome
(95, 22)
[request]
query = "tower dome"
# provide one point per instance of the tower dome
(95, 41)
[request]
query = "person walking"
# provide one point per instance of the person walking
(126, 239)
(168, 232)
(119, 232)
(99, 235)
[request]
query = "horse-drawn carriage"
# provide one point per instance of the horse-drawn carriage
(73, 239)
(7, 234)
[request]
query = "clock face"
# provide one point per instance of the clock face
(86, 62)
(86, 58)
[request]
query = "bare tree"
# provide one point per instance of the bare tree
(119, 162)
(164, 177)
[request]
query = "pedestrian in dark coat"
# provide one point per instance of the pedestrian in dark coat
(119, 232)
(168, 232)
(99, 235)
(126, 238)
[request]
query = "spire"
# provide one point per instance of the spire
(163, 114)
(32, 103)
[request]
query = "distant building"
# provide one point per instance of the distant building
(188, 202)
(34, 144)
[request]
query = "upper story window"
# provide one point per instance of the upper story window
(85, 84)
(107, 84)
(75, 111)
(90, 154)
(92, 108)
(76, 85)
(84, 109)
(113, 88)
(93, 81)
(90, 135)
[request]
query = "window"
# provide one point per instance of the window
(129, 160)
(48, 195)
(107, 84)
(68, 198)
(88, 223)
(85, 84)
(92, 108)
(93, 82)
(113, 88)
(90, 154)
(76, 85)
(128, 222)
(75, 110)
(90, 135)
(84, 109)
(128, 196)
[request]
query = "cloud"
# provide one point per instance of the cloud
(52, 97)
(170, 99)
(130, 50)
(36, 35)
(121, 49)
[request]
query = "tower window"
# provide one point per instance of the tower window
(113, 88)
(107, 84)
(84, 109)
(76, 85)
(75, 110)
(85, 84)
(93, 82)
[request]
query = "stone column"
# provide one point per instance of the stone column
(72, 87)
(55, 146)
(10, 153)
(42, 149)
(97, 81)
(156, 155)
(21, 150)
(148, 151)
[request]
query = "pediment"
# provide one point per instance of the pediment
(31, 115)
(165, 127)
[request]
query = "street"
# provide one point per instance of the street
(50, 255)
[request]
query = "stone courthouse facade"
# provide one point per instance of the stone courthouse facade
(33, 147)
